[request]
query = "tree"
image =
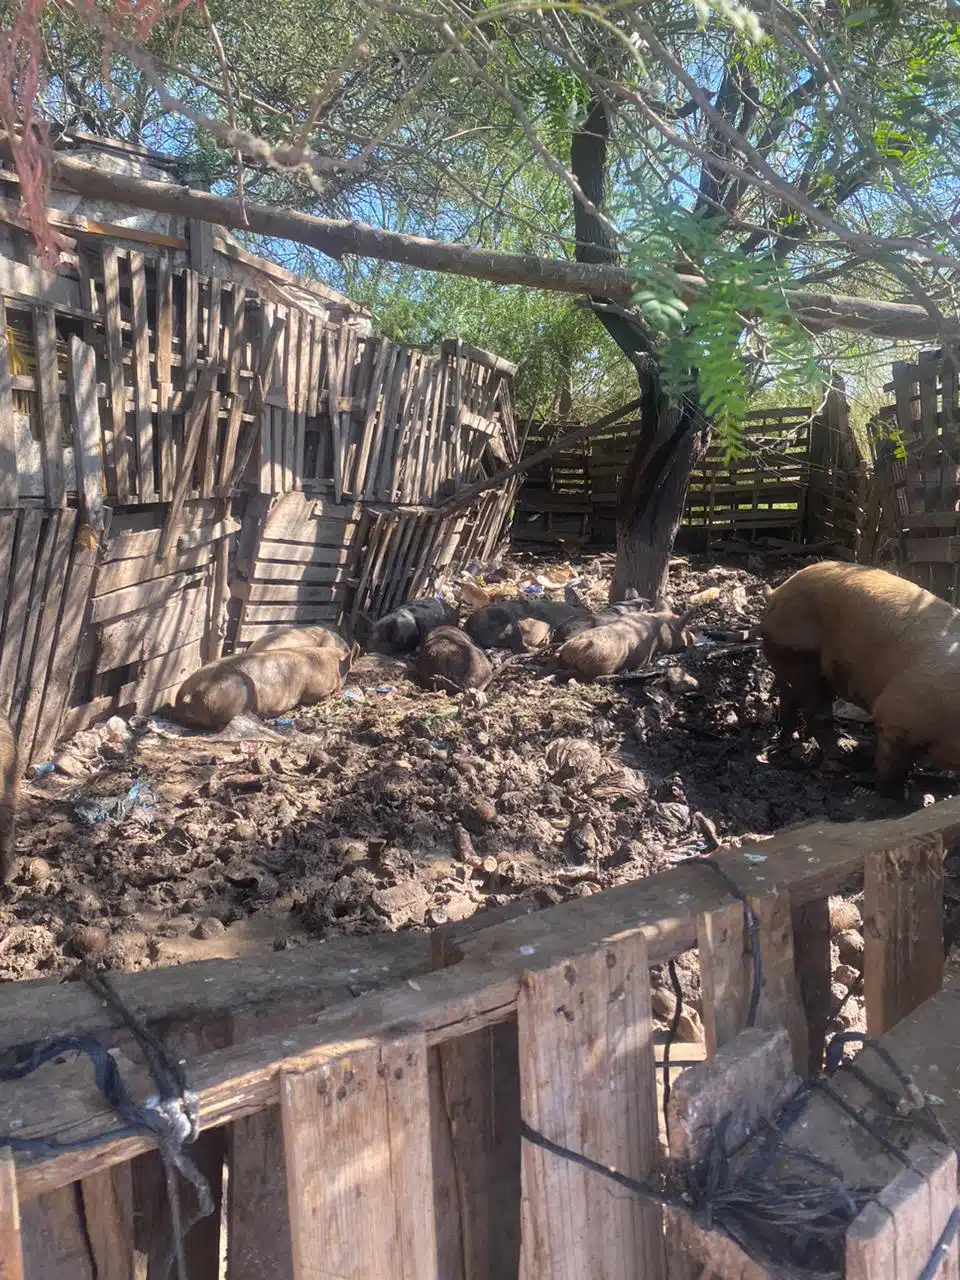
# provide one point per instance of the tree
(703, 172)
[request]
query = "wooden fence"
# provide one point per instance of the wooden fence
(801, 479)
(913, 520)
(185, 462)
(378, 1134)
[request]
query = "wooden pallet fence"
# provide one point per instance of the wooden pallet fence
(789, 454)
(378, 1135)
(914, 497)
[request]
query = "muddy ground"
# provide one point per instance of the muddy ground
(389, 808)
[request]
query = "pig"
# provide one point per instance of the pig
(9, 799)
(586, 621)
(625, 641)
(512, 624)
(299, 638)
(849, 631)
(403, 630)
(450, 660)
(267, 683)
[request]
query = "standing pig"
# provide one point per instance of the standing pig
(450, 659)
(9, 796)
(850, 631)
(267, 683)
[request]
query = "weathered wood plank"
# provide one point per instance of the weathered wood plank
(11, 1247)
(141, 379)
(376, 1217)
(9, 480)
(21, 577)
(85, 413)
(811, 949)
(780, 1004)
(143, 596)
(51, 425)
(588, 1082)
(290, 593)
(35, 602)
(107, 1199)
(117, 574)
(166, 458)
(151, 632)
(52, 593)
(724, 973)
(118, 400)
(275, 559)
(902, 930)
(193, 428)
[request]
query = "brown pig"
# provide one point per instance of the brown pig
(854, 632)
(267, 683)
(627, 641)
(299, 638)
(450, 659)
(9, 797)
(511, 624)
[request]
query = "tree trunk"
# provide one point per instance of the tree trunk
(672, 437)
(652, 496)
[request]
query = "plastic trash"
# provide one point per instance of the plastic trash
(385, 688)
(140, 795)
(353, 695)
(533, 589)
(39, 770)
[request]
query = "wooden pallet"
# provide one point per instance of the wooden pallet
(376, 1134)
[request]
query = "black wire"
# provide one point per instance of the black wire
(752, 933)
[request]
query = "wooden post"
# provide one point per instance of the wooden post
(724, 973)
(811, 953)
(11, 1248)
(356, 1133)
(86, 433)
(895, 1234)
(902, 930)
(108, 1218)
(48, 382)
(587, 1081)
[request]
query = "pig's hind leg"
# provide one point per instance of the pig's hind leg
(805, 695)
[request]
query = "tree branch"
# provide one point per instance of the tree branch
(337, 238)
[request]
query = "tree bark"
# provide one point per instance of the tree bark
(672, 437)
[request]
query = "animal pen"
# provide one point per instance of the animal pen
(377, 1107)
(197, 445)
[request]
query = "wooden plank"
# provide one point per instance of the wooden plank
(237, 401)
(143, 596)
(141, 379)
(120, 461)
(52, 596)
(51, 426)
(376, 1217)
(814, 969)
(39, 572)
(107, 1200)
(192, 431)
(338, 445)
(283, 613)
(275, 558)
(143, 540)
(76, 598)
(224, 528)
(200, 235)
(11, 1248)
(588, 1082)
(290, 592)
(300, 519)
(258, 1240)
(903, 937)
(303, 391)
(725, 975)
(780, 1004)
(191, 309)
(268, 571)
(9, 481)
(85, 415)
(208, 446)
(895, 1233)
(152, 632)
(24, 558)
(316, 360)
(932, 550)
(128, 573)
(37, 284)
(166, 458)
(55, 1242)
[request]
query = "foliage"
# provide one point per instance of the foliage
(759, 145)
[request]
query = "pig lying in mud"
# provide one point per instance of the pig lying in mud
(850, 631)
(9, 797)
(299, 638)
(450, 660)
(625, 638)
(267, 682)
(520, 624)
(404, 629)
